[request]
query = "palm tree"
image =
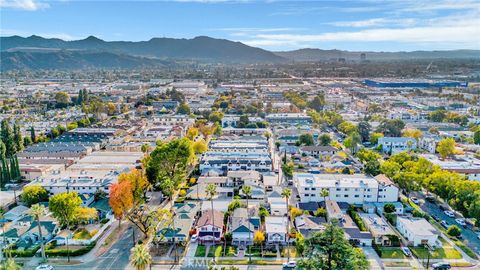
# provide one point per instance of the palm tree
(140, 257)
(247, 191)
(324, 193)
(211, 191)
(286, 193)
(36, 211)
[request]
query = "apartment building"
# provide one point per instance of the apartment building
(352, 189)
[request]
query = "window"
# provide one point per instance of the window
(307, 188)
(306, 195)
(346, 195)
(338, 189)
(346, 189)
(314, 188)
(338, 195)
(356, 196)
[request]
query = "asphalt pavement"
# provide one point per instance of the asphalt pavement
(117, 257)
(467, 233)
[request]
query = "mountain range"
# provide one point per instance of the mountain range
(36, 52)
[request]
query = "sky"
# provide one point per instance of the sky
(367, 25)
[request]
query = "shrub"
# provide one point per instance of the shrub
(453, 230)
(357, 219)
(22, 253)
(104, 221)
(64, 252)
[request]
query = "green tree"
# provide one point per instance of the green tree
(32, 134)
(390, 168)
(438, 115)
(364, 130)
(306, 139)
(33, 194)
(476, 136)
(243, 121)
(286, 193)
(211, 191)
(170, 161)
(17, 137)
(446, 147)
(347, 127)
(140, 257)
(389, 208)
(37, 211)
(247, 191)
(64, 207)
(324, 139)
(317, 103)
(454, 230)
(352, 142)
(62, 99)
(375, 136)
(183, 108)
(215, 117)
(331, 250)
(8, 138)
(391, 128)
(324, 193)
(27, 141)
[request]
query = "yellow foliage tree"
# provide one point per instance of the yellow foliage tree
(138, 182)
(200, 146)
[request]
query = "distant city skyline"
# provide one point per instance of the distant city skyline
(367, 25)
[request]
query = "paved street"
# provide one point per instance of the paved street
(467, 233)
(117, 257)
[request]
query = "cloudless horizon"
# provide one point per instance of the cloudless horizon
(367, 25)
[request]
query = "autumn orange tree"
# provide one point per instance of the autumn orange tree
(138, 183)
(121, 199)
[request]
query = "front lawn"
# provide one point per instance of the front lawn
(392, 253)
(230, 251)
(200, 252)
(82, 234)
(438, 253)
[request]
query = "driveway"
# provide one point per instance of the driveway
(373, 258)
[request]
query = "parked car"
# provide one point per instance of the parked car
(449, 213)
(44, 267)
(406, 251)
(436, 218)
(441, 265)
(290, 264)
(443, 208)
(430, 198)
(415, 200)
(445, 224)
(461, 221)
(194, 238)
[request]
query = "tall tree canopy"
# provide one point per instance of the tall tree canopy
(170, 161)
(331, 250)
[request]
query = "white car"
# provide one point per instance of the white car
(406, 251)
(449, 213)
(44, 267)
(461, 221)
(194, 238)
(290, 264)
(415, 200)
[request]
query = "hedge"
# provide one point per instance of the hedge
(357, 219)
(64, 252)
(23, 253)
